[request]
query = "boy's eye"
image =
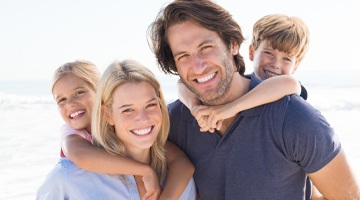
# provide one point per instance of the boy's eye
(268, 52)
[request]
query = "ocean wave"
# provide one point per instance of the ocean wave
(11, 101)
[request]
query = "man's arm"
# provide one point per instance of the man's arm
(336, 180)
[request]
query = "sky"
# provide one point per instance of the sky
(38, 36)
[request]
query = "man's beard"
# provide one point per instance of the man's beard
(219, 96)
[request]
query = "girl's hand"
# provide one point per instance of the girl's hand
(152, 185)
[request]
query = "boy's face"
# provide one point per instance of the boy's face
(269, 62)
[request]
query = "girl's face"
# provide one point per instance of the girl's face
(74, 98)
(136, 115)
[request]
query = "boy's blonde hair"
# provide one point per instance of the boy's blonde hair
(85, 70)
(104, 134)
(284, 33)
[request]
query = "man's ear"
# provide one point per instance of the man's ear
(251, 52)
(108, 115)
(234, 47)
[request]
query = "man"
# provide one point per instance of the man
(262, 153)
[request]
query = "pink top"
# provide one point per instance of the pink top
(67, 130)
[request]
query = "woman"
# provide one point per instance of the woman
(130, 118)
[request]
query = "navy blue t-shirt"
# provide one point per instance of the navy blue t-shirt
(265, 153)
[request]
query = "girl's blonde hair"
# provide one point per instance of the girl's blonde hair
(85, 70)
(117, 74)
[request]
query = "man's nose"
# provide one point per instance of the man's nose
(197, 63)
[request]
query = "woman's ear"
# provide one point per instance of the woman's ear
(108, 115)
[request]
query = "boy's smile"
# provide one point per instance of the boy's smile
(269, 62)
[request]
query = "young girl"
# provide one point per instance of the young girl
(74, 89)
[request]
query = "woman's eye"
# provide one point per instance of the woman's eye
(152, 105)
(127, 110)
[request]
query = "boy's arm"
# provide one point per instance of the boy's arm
(180, 171)
(89, 157)
(267, 91)
(335, 180)
(186, 96)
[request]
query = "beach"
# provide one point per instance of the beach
(30, 122)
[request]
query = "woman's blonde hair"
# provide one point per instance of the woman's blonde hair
(85, 70)
(117, 74)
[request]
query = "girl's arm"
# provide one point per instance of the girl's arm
(267, 91)
(180, 171)
(89, 157)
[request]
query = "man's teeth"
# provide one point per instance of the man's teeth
(206, 78)
(142, 131)
(76, 113)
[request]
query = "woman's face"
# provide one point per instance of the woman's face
(136, 115)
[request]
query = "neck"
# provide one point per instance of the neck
(141, 155)
(239, 87)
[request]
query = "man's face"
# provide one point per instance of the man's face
(204, 63)
(269, 62)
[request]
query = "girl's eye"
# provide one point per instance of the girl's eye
(60, 101)
(79, 92)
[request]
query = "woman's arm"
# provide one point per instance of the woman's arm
(267, 91)
(180, 171)
(89, 157)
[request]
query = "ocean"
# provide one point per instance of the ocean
(29, 125)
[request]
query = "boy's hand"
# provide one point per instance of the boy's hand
(206, 119)
(152, 185)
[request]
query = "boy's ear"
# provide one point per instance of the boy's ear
(108, 115)
(295, 67)
(234, 47)
(251, 52)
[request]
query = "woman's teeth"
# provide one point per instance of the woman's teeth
(142, 131)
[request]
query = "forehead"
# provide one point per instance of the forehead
(188, 34)
(69, 82)
(133, 92)
(269, 46)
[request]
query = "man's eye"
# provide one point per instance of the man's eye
(181, 57)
